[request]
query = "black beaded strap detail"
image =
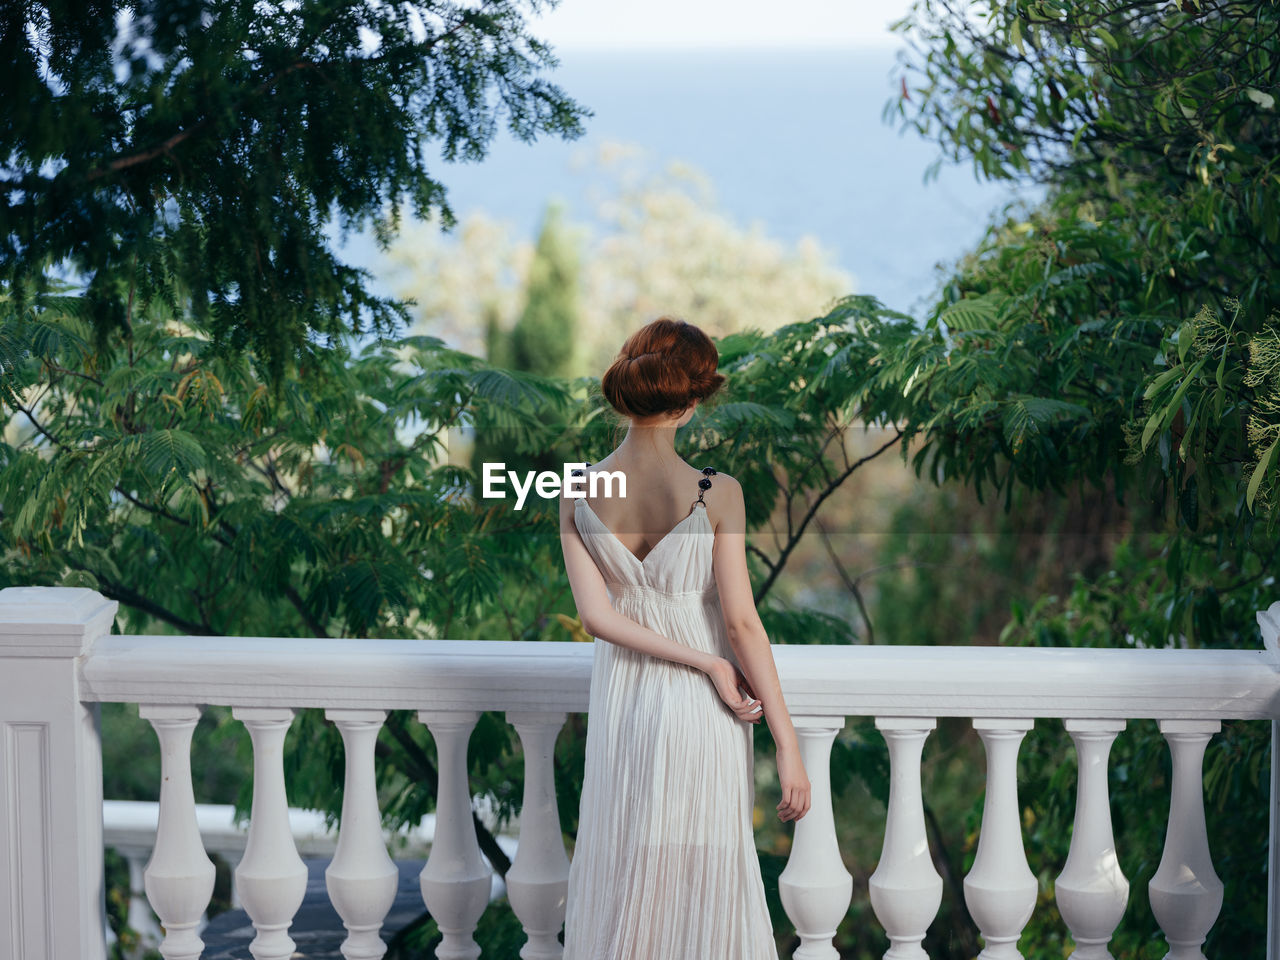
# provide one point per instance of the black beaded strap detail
(705, 484)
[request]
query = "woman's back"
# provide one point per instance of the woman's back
(642, 503)
(665, 864)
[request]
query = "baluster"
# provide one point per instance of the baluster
(1091, 890)
(1185, 892)
(815, 887)
(538, 881)
(361, 878)
(456, 882)
(1000, 891)
(906, 890)
(271, 878)
(179, 876)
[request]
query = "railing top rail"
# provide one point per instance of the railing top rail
(555, 675)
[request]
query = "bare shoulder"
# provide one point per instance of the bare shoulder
(726, 482)
(725, 506)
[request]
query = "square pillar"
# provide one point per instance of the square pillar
(52, 901)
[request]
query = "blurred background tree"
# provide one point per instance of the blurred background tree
(543, 339)
(657, 243)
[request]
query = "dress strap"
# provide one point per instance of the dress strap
(705, 483)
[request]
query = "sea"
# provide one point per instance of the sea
(791, 138)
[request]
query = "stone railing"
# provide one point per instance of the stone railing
(130, 826)
(58, 661)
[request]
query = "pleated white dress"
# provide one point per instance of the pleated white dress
(665, 864)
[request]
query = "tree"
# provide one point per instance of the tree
(1119, 339)
(543, 339)
(657, 243)
(165, 475)
(191, 154)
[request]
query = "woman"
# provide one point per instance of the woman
(665, 866)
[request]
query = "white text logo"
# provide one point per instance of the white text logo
(548, 484)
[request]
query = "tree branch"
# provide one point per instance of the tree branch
(134, 599)
(794, 538)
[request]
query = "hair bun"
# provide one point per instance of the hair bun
(663, 367)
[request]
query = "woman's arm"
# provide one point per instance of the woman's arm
(751, 644)
(599, 619)
(747, 635)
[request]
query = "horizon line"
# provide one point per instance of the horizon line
(612, 46)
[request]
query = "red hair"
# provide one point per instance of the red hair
(664, 367)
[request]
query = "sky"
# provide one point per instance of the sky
(719, 23)
(779, 106)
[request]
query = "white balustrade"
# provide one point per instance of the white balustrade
(51, 859)
(538, 880)
(1092, 890)
(58, 661)
(1000, 890)
(179, 876)
(455, 880)
(1185, 892)
(129, 826)
(906, 889)
(815, 887)
(271, 878)
(361, 878)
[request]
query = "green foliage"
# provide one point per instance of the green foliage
(1113, 350)
(1099, 93)
(541, 342)
(167, 476)
(543, 338)
(1120, 344)
(1162, 179)
(191, 154)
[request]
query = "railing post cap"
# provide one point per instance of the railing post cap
(924, 724)
(1004, 724)
(283, 715)
(1269, 624)
(1179, 725)
(818, 721)
(1091, 725)
(52, 621)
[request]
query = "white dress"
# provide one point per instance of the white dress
(665, 864)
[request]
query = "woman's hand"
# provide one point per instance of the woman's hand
(795, 786)
(727, 677)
